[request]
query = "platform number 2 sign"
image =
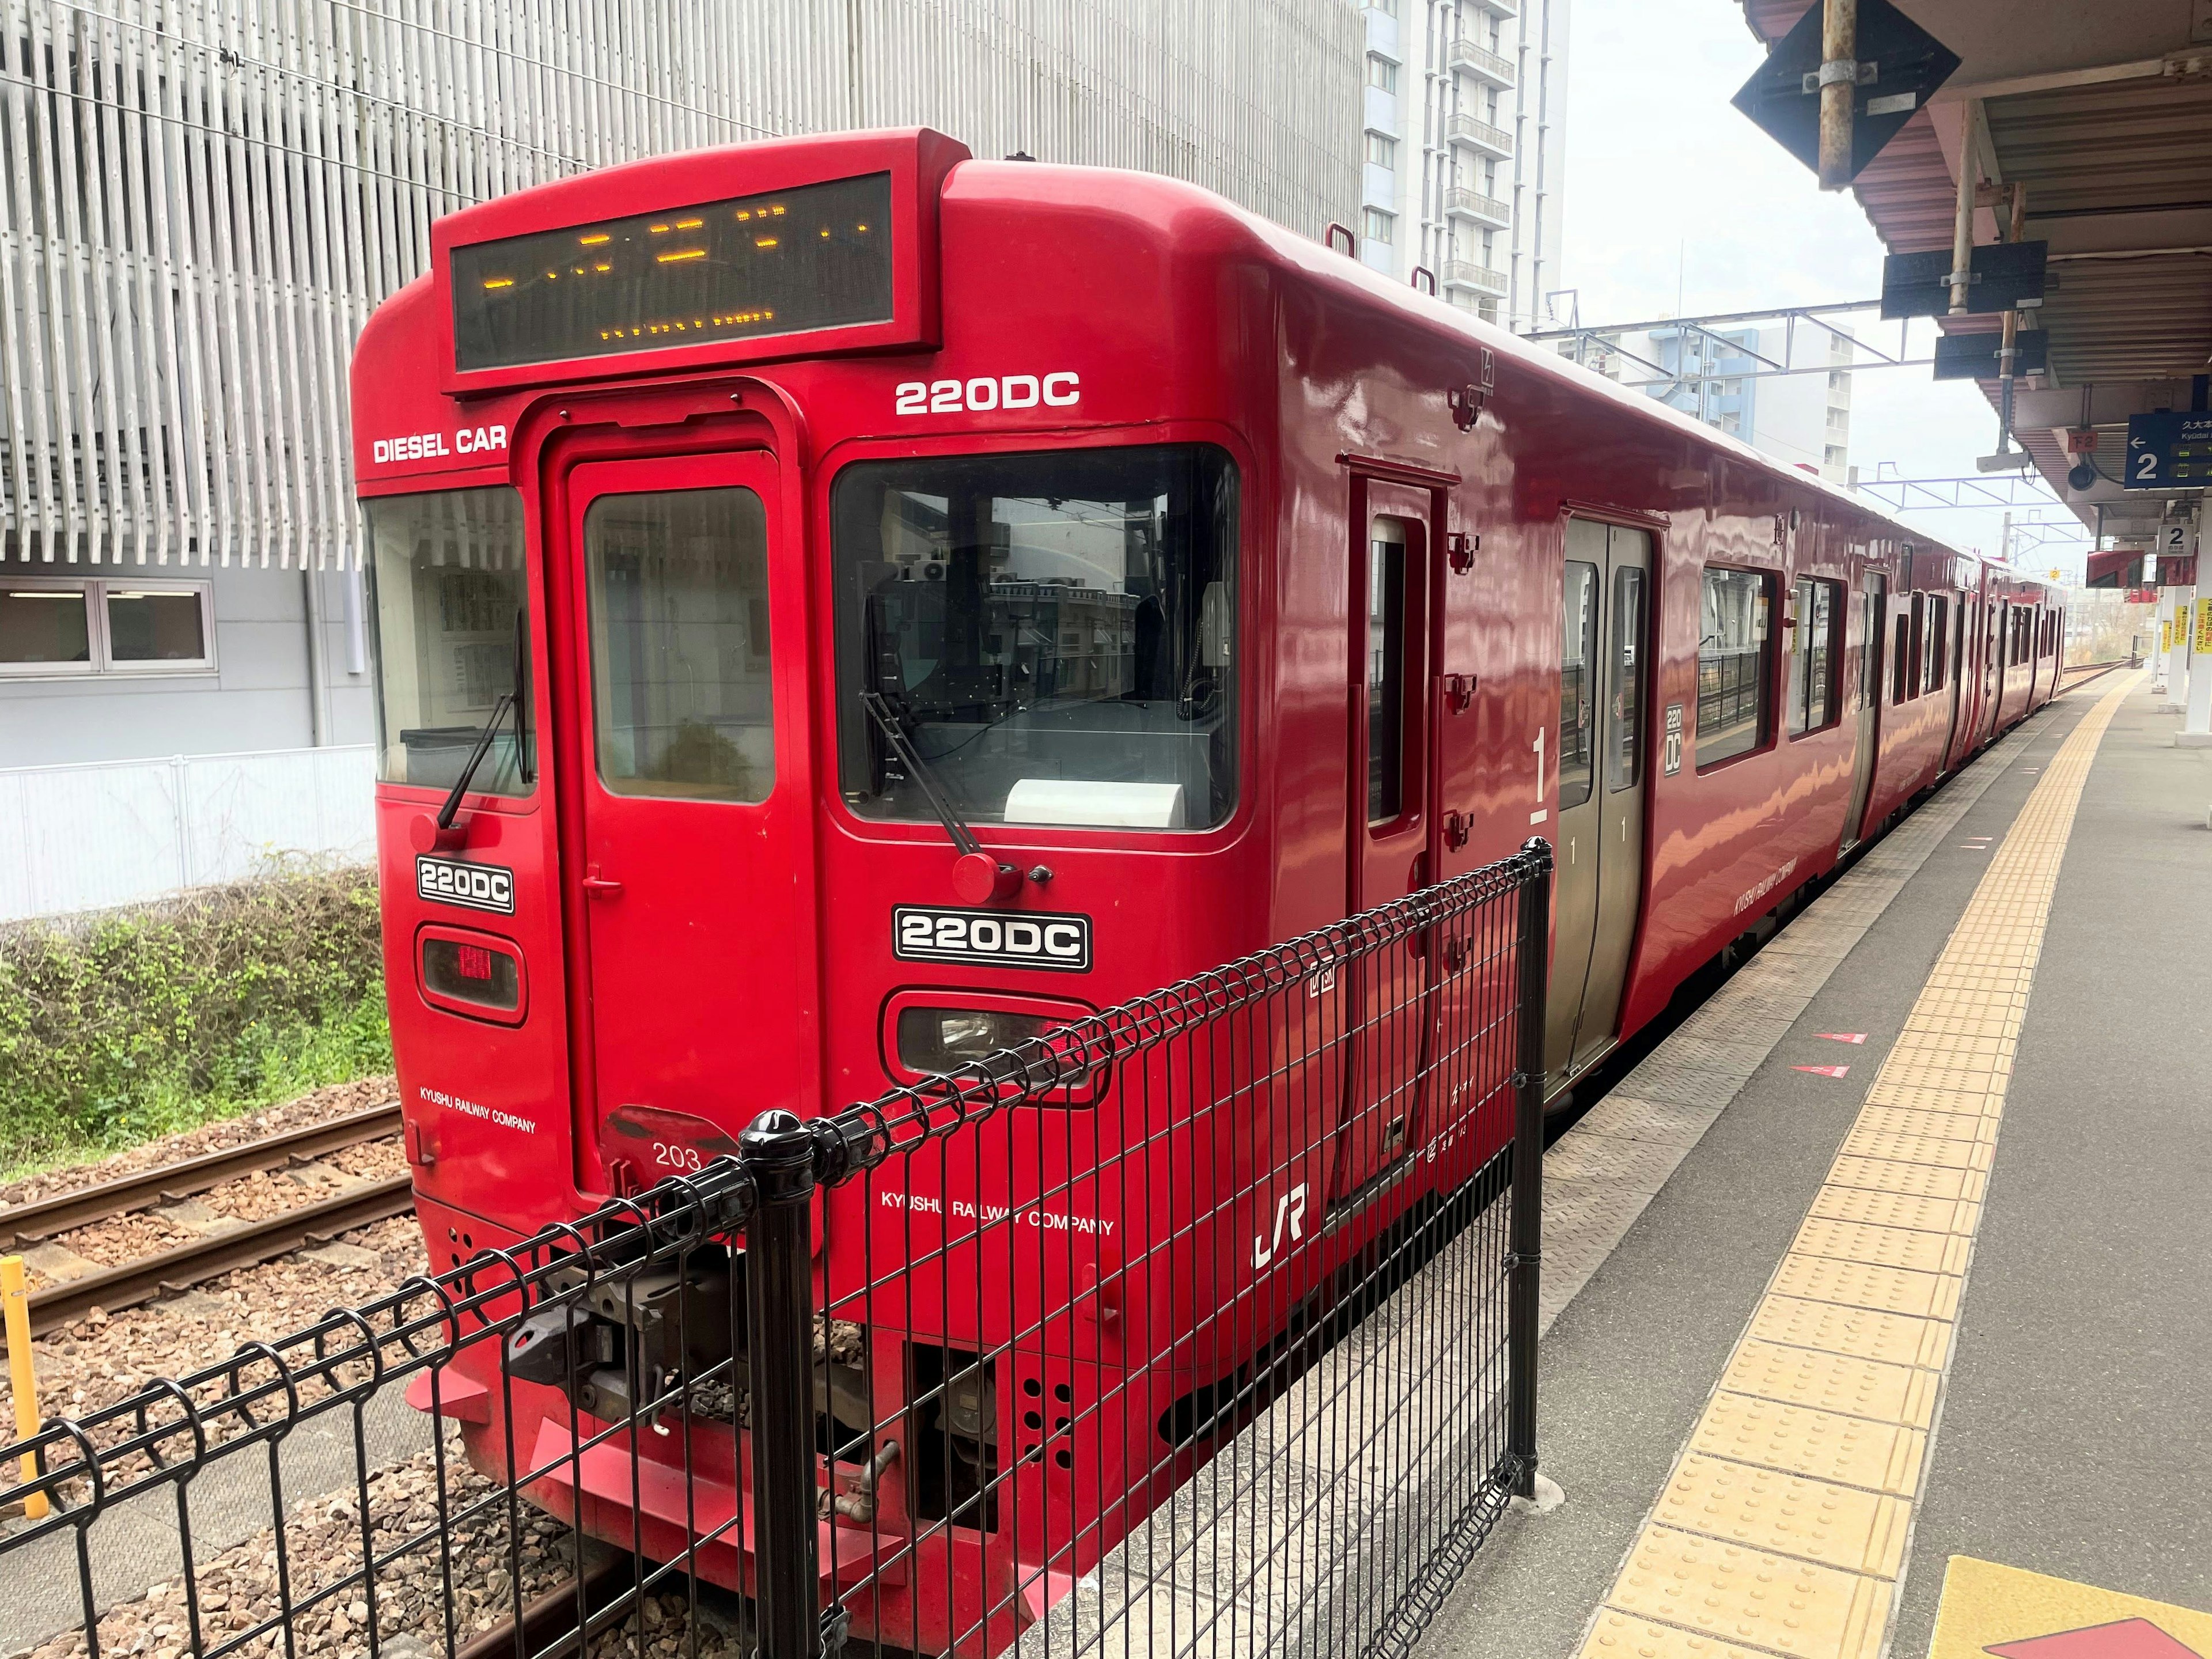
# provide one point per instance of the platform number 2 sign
(1290, 1216)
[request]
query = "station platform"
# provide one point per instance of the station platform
(1878, 1293)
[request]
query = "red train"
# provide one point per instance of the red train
(841, 606)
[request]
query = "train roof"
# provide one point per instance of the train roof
(1153, 199)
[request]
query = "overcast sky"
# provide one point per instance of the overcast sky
(1668, 188)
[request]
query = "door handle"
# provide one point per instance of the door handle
(598, 886)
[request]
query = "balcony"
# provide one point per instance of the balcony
(1461, 202)
(1501, 7)
(1476, 279)
(1480, 136)
(1480, 62)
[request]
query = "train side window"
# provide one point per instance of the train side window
(1817, 655)
(1386, 671)
(1734, 695)
(682, 704)
(1938, 633)
(1577, 682)
(1624, 761)
(1900, 659)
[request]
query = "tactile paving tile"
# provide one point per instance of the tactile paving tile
(1913, 1179)
(1923, 1120)
(1739, 1594)
(1916, 1148)
(1770, 1510)
(1824, 1445)
(1868, 1333)
(1932, 1215)
(1883, 1246)
(1834, 1382)
(1969, 1102)
(1618, 1635)
(1863, 1284)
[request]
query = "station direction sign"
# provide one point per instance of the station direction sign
(2168, 450)
(1979, 356)
(1900, 64)
(2006, 277)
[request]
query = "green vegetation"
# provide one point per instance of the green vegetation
(130, 1023)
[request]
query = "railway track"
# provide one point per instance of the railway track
(243, 1245)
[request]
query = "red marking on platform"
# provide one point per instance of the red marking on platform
(2130, 1638)
(1842, 1036)
(1824, 1071)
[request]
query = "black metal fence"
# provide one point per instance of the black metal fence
(1204, 1325)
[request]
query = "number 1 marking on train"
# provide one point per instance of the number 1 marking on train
(1541, 811)
(1290, 1211)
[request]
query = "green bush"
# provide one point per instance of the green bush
(130, 1023)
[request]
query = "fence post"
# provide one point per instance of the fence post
(1525, 1247)
(780, 1362)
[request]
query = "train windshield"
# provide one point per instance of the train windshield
(448, 594)
(1053, 633)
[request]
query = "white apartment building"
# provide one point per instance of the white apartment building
(1464, 150)
(1731, 378)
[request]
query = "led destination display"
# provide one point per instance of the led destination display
(783, 262)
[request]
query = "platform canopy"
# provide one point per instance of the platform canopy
(2103, 115)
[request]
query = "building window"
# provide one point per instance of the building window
(1388, 7)
(1377, 225)
(1834, 455)
(1382, 152)
(1733, 692)
(1381, 74)
(1839, 380)
(105, 626)
(1816, 655)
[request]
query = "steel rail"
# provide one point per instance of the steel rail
(244, 1246)
(27, 1223)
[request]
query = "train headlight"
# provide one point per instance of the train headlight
(934, 1040)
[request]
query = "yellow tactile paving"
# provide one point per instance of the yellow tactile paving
(1885, 1247)
(1932, 1215)
(1871, 1335)
(1853, 1451)
(1739, 1594)
(1868, 1284)
(1781, 1528)
(1767, 1510)
(1987, 1608)
(1834, 1382)
(1914, 1180)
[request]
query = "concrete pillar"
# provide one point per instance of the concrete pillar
(2180, 602)
(2196, 730)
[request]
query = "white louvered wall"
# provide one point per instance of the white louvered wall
(200, 203)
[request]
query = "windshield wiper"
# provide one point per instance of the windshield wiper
(506, 701)
(978, 874)
(924, 776)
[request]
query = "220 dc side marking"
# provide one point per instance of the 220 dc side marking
(473, 886)
(1021, 939)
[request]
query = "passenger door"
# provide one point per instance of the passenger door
(1605, 631)
(689, 815)
(1393, 582)
(1874, 606)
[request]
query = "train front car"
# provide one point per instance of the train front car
(749, 533)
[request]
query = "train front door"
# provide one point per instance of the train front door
(1605, 630)
(685, 818)
(1874, 606)
(1390, 815)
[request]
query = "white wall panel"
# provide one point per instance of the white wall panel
(202, 200)
(87, 837)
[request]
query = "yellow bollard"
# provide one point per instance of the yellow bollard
(15, 1304)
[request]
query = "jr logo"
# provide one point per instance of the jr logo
(1290, 1216)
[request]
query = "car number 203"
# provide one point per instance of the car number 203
(998, 938)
